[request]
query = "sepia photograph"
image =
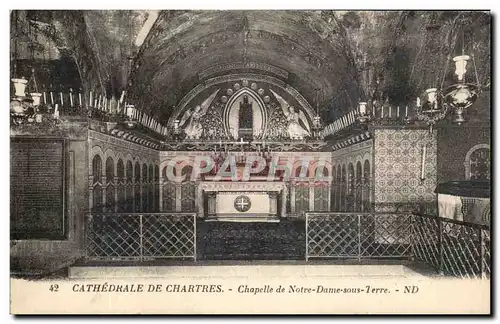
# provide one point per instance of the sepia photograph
(250, 161)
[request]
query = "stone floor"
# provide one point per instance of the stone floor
(249, 270)
(251, 241)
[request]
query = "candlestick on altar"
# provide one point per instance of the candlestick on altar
(62, 101)
(406, 111)
(80, 98)
(71, 97)
(51, 98)
(397, 113)
(382, 112)
(390, 111)
(90, 99)
(362, 108)
(44, 98)
(56, 111)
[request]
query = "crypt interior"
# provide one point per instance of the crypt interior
(373, 128)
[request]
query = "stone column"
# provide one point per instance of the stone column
(273, 202)
(212, 203)
(329, 195)
(160, 195)
(91, 192)
(178, 198)
(283, 201)
(199, 201)
(292, 197)
(311, 195)
(104, 186)
(115, 180)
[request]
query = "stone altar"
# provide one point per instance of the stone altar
(242, 200)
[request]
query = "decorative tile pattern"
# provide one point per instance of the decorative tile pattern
(141, 236)
(453, 144)
(398, 163)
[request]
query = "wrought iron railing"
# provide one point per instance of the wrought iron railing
(454, 248)
(141, 236)
(358, 235)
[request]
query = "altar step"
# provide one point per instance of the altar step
(243, 270)
(284, 240)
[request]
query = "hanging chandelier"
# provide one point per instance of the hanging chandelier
(434, 104)
(462, 95)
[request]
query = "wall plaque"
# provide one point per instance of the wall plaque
(37, 186)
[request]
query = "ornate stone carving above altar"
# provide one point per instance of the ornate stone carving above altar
(252, 107)
(243, 65)
(272, 146)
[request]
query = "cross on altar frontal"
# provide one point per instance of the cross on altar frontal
(242, 200)
(242, 204)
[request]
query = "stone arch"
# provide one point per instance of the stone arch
(119, 155)
(297, 170)
(229, 111)
(467, 161)
(96, 167)
(120, 169)
(109, 152)
(95, 150)
(367, 170)
(137, 171)
(129, 171)
(323, 166)
(269, 80)
(110, 169)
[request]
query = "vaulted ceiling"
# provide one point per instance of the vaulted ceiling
(332, 57)
(182, 44)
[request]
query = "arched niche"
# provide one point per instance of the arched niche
(232, 113)
(262, 80)
(478, 162)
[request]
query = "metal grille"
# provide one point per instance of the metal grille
(461, 250)
(485, 253)
(385, 235)
(141, 236)
(188, 196)
(321, 193)
(168, 237)
(358, 235)
(301, 198)
(332, 235)
(454, 248)
(426, 239)
(169, 196)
